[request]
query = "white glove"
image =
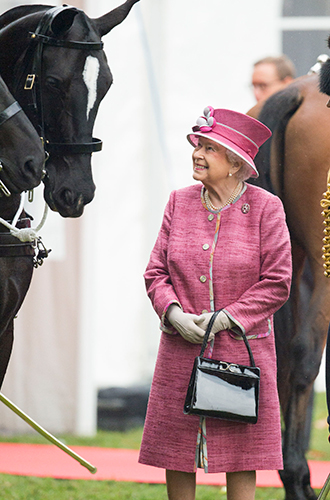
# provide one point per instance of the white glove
(186, 324)
(221, 322)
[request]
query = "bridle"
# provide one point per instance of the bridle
(5, 115)
(38, 39)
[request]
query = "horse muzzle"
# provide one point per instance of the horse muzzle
(66, 202)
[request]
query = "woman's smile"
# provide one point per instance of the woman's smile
(198, 167)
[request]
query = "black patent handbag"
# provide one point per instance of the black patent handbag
(221, 389)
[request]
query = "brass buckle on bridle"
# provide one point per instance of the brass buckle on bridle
(29, 82)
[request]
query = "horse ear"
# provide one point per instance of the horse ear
(106, 23)
(63, 21)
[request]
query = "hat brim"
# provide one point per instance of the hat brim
(228, 145)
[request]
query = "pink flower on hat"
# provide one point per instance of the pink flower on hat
(207, 122)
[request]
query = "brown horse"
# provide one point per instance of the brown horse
(294, 165)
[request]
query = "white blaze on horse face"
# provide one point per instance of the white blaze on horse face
(90, 76)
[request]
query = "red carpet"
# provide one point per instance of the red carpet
(113, 465)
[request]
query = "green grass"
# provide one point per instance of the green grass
(32, 488)
(130, 439)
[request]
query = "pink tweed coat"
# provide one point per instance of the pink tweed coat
(251, 276)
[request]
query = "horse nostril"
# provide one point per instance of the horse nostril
(68, 197)
(32, 168)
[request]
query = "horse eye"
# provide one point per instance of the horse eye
(53, 83)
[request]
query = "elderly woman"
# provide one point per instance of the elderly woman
(223, 244)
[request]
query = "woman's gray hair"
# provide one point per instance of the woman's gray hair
(245, 171)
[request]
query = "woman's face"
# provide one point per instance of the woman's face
(210, 163)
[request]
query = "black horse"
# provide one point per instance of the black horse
(21, 168)
(55, 66)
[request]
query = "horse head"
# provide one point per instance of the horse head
(59, 77)
(21, 152)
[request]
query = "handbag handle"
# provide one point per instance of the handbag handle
(208, 330)
(207, 334)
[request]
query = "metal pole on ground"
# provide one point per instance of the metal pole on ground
(47, 434)
(325, 490)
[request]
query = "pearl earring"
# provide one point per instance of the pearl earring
(230, 174)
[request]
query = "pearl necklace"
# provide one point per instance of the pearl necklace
(231, 198)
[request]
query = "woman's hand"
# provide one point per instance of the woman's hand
(186, 324)
(222, 322)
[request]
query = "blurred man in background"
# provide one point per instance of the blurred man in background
(270, 75)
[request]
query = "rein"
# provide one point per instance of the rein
(39, 38)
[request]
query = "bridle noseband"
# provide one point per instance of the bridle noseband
(7, 113)
(39, 38)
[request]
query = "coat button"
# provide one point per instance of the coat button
(245, 208)
(210, 217)
(203, 279)
(206, 246)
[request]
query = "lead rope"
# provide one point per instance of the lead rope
(325, 203)
(29, 234)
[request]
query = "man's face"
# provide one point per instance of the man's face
(265, 81)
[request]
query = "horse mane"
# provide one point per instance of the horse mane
(275, 114)
(22, 10)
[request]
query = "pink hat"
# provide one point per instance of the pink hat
(237, 132)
